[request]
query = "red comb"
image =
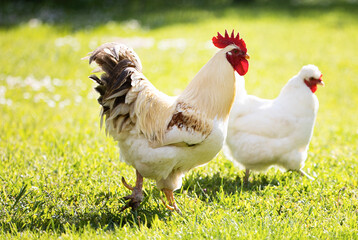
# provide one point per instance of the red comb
(222, 42)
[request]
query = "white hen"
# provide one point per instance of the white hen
(263, 133)
(163, 137)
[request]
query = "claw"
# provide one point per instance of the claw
(126, 184)
(169, 194)
(134, 202)
(137, 194)
(124, 207)
(303, 173)
(166, 205)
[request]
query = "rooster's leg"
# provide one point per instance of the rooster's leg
(137, 194)
(170, 197)
(127, 185)
(246, 177)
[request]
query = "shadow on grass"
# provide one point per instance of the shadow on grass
(41, 211)
(84, 14)
(36, 211)
(208, 187)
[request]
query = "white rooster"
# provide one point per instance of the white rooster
(163, 137)
(263, 133)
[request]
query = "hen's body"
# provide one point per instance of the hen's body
(263, 133)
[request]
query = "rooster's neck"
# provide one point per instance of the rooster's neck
(212, 91)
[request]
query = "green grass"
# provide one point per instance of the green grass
(60, 175)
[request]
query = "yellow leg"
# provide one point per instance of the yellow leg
(170, 197)
(303, 173)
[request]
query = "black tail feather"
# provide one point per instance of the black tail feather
(118, 64)
(95, 78)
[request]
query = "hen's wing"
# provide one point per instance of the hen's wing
(261, 117)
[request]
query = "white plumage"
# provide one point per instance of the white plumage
(163, 137)
(264, 133)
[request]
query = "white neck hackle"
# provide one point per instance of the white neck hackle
(212, 91)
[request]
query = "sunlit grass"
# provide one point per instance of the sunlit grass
(60, 175)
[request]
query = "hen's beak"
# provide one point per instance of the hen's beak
(247, 56)
(320, 81)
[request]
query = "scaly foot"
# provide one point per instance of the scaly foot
(134, 200)
(137, 194)
(172, 204)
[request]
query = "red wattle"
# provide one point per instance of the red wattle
(242, 67)
(313, 88)
(311, 85)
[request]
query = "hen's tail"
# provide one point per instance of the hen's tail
(119, 63)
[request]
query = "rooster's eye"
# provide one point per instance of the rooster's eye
(311, 78)
(235, 51)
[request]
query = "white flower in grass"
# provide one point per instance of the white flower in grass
(68, 41)
(39, 97)
(47, 83)
(57, 82)
(132, 24)
(27, 95)
(57, 97)
(13, 81)
(51, 103)
(78, 99)
(64, 103)
(3, 100)
(33, 83)
(2, 91)
(179, 44)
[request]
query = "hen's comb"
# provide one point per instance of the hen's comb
(222, 42)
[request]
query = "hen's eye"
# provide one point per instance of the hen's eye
(311, 78)
(235, 51)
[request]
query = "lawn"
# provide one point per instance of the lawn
(60, 174)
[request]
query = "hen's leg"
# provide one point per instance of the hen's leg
(246, 177)
(170, 197)
(137, 194)
(303, 173)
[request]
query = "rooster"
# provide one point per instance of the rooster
(263, 133)
(163, 137)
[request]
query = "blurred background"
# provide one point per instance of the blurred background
(49, 132)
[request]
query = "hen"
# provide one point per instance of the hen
(263, 133)
(163, 137)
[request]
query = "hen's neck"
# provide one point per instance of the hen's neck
(240, 88)
(296, 96)
(212, 91)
